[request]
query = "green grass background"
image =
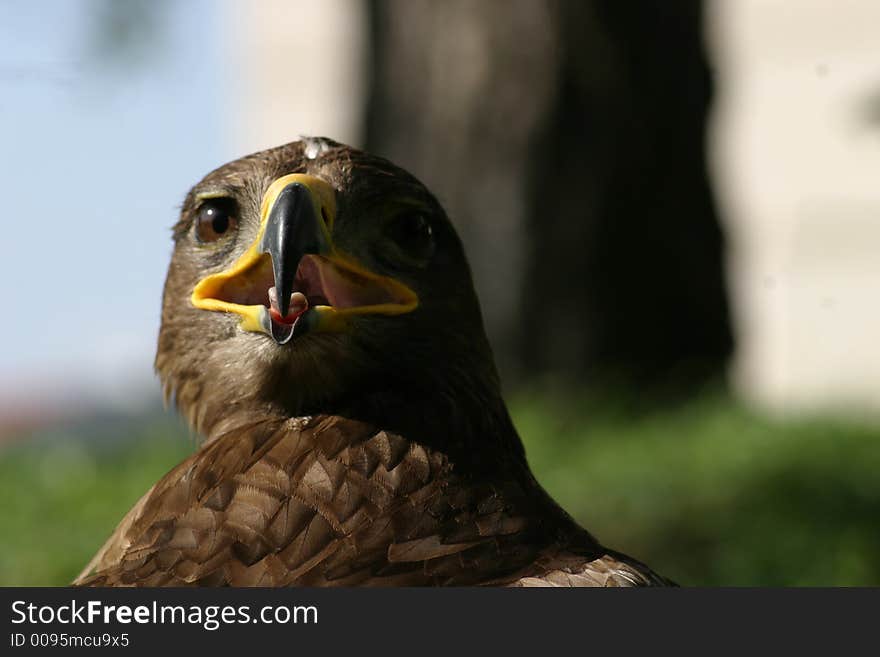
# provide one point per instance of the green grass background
(707, 492)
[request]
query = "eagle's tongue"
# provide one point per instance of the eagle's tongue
(298, 305)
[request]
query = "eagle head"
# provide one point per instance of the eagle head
(314, 277)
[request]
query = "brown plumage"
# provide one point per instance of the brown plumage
(374, 451)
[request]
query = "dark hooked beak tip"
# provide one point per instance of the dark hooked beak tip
(293, 229)
(284, 333)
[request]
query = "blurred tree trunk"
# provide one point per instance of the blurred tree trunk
(566, 140)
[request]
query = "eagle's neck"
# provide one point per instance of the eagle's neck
(455, 413)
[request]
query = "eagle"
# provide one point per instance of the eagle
(321, 333)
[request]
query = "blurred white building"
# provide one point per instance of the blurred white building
(301, 68)
(797, 171)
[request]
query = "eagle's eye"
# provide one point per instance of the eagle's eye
(413, 236)
(214, 219)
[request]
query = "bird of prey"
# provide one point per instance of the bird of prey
(321, 332)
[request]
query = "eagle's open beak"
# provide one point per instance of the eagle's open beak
(292, 279)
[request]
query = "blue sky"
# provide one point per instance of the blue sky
(97, 154)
